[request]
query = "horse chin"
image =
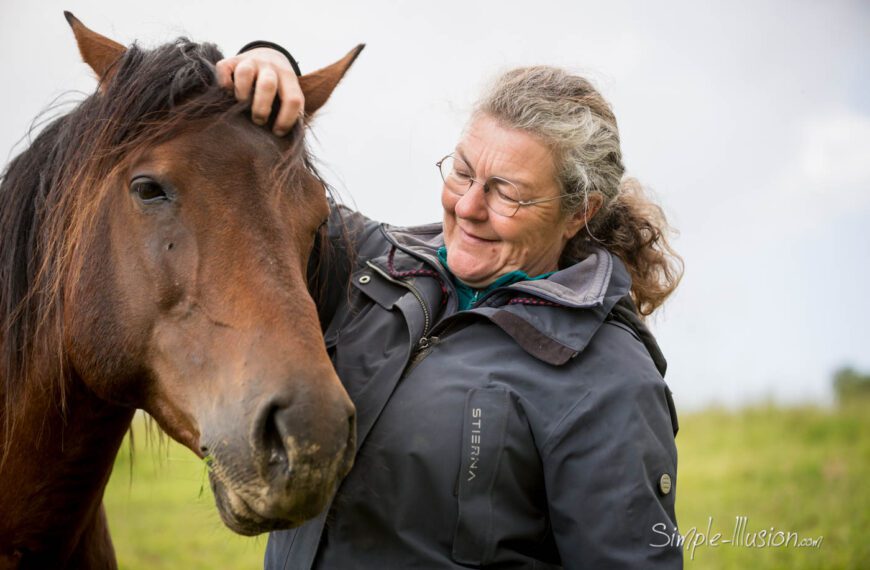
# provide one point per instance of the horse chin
(247, 514)
(240, 517)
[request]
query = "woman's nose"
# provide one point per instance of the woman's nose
(472, 204)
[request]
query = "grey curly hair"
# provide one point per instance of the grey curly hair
(570, 116)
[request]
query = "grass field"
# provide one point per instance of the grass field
(802, 470)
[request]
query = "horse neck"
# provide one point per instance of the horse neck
(58, 466)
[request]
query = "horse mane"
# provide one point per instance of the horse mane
(50, 200)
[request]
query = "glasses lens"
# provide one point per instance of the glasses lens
(502, 196)
(456, 175)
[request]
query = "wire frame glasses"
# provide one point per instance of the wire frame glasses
(500, 195)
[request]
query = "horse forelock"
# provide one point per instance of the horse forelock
(51, 195)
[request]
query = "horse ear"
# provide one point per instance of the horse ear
(97, 51)
(318, 85)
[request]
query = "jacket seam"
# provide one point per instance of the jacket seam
(289, 550)
(557, 429)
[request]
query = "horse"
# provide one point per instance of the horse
(155, 243)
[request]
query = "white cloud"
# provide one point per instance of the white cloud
(828, 175)
(738, 116)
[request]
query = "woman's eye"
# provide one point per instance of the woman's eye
(148, 191)
(505, 190)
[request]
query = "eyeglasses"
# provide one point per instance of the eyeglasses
(500, 195)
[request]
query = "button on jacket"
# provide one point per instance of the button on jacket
(531, 431)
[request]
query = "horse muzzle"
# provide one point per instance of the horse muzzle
(286, 468)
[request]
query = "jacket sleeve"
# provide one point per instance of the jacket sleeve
(338, 250)
(610, 463)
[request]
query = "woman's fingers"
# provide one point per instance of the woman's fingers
(224, 69)
(292, 104)
(264, 93)
(259, 75)
(243, 79)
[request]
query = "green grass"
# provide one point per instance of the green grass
(163, 516)
(803, 470)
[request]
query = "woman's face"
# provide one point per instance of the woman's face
(483, 245)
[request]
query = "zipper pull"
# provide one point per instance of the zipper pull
(421, 351)
(427, 342)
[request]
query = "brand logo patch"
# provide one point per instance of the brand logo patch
(476, 425)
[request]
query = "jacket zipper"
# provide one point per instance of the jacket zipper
(421, 351)
(426, 317)
(424, 347)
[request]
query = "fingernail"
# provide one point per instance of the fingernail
(280, 132)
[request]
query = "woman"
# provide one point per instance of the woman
(511, 407)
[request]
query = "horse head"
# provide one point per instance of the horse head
(183, 279)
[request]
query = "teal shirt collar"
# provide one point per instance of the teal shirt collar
(468, 296)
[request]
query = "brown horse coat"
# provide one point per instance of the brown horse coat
(154, 246)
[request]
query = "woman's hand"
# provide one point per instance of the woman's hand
(269, 73)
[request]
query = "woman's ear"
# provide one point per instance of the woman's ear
(578, 220)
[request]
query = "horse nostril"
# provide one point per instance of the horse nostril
(291, 436)
(273, 441)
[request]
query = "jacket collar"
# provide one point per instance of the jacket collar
(552, 319)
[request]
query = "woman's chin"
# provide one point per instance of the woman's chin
(475, 269)
(475, 278)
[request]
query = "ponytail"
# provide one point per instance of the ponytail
(635, 229)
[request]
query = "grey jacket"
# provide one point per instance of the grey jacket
(532, 431)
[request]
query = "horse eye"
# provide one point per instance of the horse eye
(147, 190)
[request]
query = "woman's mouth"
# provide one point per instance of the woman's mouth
(473, 238)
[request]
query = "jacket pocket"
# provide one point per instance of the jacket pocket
(483, 435)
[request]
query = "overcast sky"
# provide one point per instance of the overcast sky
(750, 122)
